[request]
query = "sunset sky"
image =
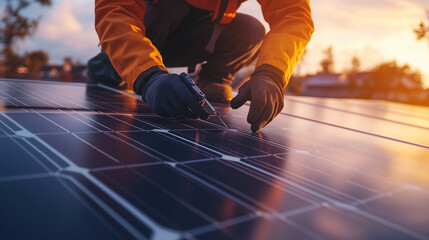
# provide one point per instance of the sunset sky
(373, 30)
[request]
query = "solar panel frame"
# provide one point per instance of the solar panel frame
(104, 147)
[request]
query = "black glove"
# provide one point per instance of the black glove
(264, 90)
(168, 96)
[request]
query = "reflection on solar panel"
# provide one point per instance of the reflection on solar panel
(87, 162)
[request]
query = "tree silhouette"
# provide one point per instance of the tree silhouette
(36, 59)
(422, 32)
(355, 64)
(353, 73)
(13, 26)
(327, 62)
(389, 75)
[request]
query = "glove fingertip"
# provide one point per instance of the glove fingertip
(255, 127)
(237, 102)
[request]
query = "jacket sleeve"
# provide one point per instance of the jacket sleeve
(119, 25)
(291, 27)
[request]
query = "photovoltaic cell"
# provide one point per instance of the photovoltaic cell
(88, 162)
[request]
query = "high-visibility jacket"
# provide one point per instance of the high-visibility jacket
(119, 25)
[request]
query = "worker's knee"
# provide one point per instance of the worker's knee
(244, 33)
(249, 28)
(162, 18)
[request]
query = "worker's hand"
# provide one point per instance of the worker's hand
(168, 96)
(266, 98)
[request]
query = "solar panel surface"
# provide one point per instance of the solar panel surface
(87, 162)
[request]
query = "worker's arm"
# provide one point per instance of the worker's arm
(119, 25)
(291, 28)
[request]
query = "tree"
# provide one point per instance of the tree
(327, 62)
(353, 72)
(14, 25)
(389, 75)
(422, 32)
(36, 59)
(355, 64)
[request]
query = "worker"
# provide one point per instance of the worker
(139, 39)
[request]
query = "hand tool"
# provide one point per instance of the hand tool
(187, 80)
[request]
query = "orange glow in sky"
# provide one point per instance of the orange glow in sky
(374, 31)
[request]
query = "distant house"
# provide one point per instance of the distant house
(66, 73)
(359, 85)
(334, 85)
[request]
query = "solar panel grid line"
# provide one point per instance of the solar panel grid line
(362, 114)
(257, 212)
(68, 100)
(42, 154)
(254, 137)
(378, 196)
(50, 174)
(222, 155)
(217, 189)
(359, 131)
(376, 162)
(304, 229)
(389, 224)
(98, 149)
(241, 198)
(8, 129)
(397, 108)
(218, 185)
(117, 217)
(314, 185)
(362, 186)
(358, 170)
(370, 104)
(80, 120)
(24, 177)
(35, 148)
(51, 121)
(374, 191)
(230, 149)
(263, 177)
(163, 155)
(344, 206)
(209, 228)
(365, 172)
(183, 202)
(46, 99)
(123, 202)
(50, 105)
(101, 124)
(137, 148)
(382, 128)
(301, 180)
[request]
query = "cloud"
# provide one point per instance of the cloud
(375, 31)
(355, 27)
(67, 29)
(61, 23)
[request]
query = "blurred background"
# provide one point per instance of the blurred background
(360, 49)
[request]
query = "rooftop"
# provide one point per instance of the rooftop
(88, 162)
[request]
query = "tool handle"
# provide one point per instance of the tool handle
(187, 80)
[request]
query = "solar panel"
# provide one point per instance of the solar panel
(87, 162)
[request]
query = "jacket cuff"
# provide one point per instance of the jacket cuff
(141, 81)
(272, 72)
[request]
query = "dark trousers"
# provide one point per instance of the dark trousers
(181, 33)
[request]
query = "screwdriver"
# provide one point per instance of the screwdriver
(187, 80)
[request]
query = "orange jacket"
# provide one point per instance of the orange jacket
(119, 25)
